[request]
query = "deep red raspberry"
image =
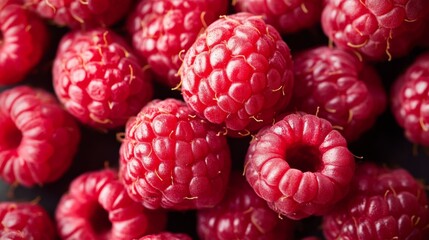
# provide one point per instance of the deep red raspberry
(23, 40)
(97, 206)
(38, 138)
(242, 215)
(171, 158)
(409, 98)
(25, 220)
(301, 166)
(378, 30)
(162, 30)
(383, 204)
(82, 14)
(98, 79)
(167, 236)
(336, 85)
(238, 73)
(286, 16)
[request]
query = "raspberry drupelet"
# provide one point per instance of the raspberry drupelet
(383, 203)
(300, 165)
(170, 158)
(238, 73)
(97, 206)
(38, 138)
(166, 236)
(99, 79)
(162, 30)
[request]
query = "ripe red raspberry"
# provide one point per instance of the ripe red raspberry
(171, 158)
(409, 98)
(301, 166)
(82, 14)
(97, 206)
(242, 215)
(337, 86)
(38, 138)
(378, 30)
(238, 73)
(23, 40)
(162, 29)
(98, 78)
(25, 220)
(167, 236)
(383, 204)
(286, 16)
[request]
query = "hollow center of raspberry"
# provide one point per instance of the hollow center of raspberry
(100, 221)
(304, 158)
(10, 135)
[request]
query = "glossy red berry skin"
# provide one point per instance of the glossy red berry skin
(166, 236)
(171, 158)
(300, 165)
(162, 31)
(99, 79)
(383, 204)
(238, 73)
(336, 85)
(25, 220)
(38, 138)
(378, 30)
(97, 206)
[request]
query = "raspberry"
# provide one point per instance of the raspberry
(38, 138)
(98, 78)
(409, 95)
(82, 14)
(97, 206)
(238, 73)
(25, 220)
(339, 87)
(23, 40)
(162, 29)
(378, 30)
(171, 158)
(286, 16)
(301, 166)
(383, 204)
(167, 236)
(242, 215)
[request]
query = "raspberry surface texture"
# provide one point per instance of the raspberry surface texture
(238, 73)
(38, 138)
(97, 206)
(242, 215)
(409, 98)
(383, 204)
(23, 40)
(81, 14)
(167, 236)
(98, 78)
(162, 30)
(378, 30)
(300, 165)
(286, 16)
(172, 159)
(336, 85)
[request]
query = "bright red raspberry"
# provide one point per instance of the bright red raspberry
(82, 14)
(409, 98)
(25, 220)
(98, 79)
(238, 73)
(171, 158)
(336, 85)
(242, 215)
(167, 236)
(162, 30)
(97, 206)
(286, 16)
(23, 40)
(383, 204)
(378, 30)
(300, 165)
(38, 138)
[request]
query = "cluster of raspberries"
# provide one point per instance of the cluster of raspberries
(296, 111)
